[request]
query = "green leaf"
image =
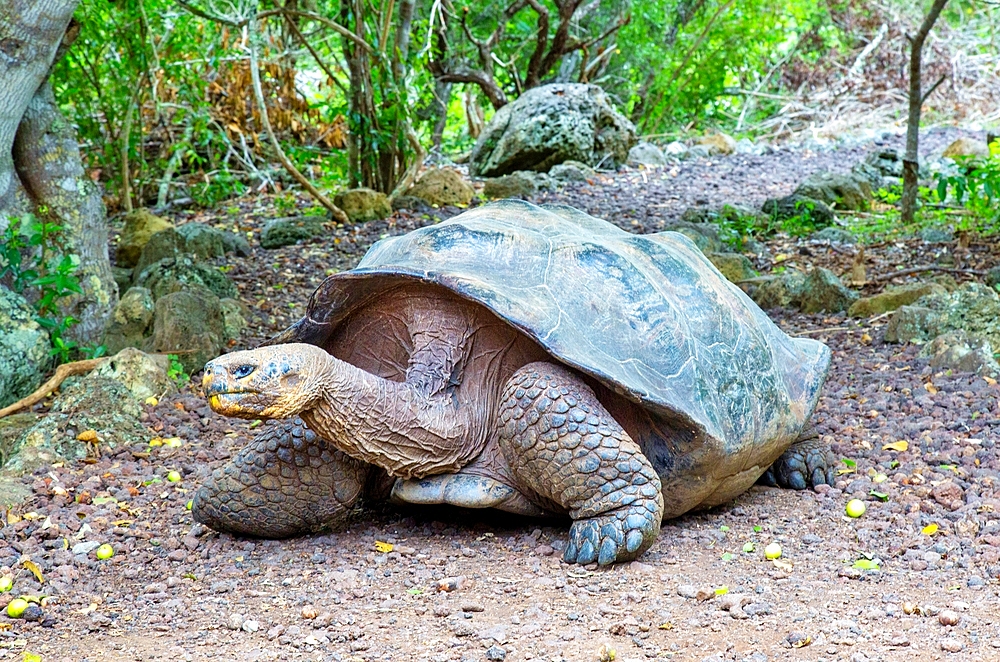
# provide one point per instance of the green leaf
(727, 557)
(848, 462)
(748, 547)
(757, 528)
(866, 564)
(882, 496)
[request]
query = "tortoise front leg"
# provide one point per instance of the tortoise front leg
(564, 448)
(287, 481)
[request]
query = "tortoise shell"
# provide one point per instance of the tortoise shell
(647, 316)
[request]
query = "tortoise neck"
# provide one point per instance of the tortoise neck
(390, 424)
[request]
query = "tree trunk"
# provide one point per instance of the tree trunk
(41, 171)
(911, 165)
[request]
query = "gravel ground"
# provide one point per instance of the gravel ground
(460, 585)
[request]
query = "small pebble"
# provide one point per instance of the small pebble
(449, 584)
(251, 626)
(948, 617)
(495, 654)
(235, 621)
(951, 645)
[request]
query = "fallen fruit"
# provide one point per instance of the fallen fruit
(772, 551)
(174, 476)
(189, 504)
(856, 508)
(5, 584)
(105, 552)
(16, 607)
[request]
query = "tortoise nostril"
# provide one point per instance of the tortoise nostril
(242, 371)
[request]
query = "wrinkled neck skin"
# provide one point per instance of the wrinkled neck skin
(390, 424)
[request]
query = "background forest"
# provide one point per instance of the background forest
(162, 91)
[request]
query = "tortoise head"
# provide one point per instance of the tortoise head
(278, 381)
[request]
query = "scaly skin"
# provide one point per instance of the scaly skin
(564, 447)
(286, 481)
(806, 463)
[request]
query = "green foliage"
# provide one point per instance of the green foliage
(33, 255)
(976, 186)
(176, 371)
(680, 61)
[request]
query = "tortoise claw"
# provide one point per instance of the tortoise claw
(617, 536)
(805, 464)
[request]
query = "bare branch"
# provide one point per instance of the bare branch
(933, 87)
(258, 91)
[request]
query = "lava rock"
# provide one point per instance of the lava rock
(291, 230)
(551, 124)
(24, 348)
(443, 186)
(363, 204)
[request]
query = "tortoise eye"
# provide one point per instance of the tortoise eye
(242, 371)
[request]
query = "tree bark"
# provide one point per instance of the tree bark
(911, 163)
(41, 171)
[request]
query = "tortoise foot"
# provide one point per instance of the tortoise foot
(564, 448)
(286, 481)
(805, 464)
(612, 538)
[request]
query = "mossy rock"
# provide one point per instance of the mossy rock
(188, 323)
(292, 230)
(823, 291)
(24, 348)
(94, 403)
(140, 225)
(734, 266)
(782, 291)
(892, 299)
(441, 187)
(363, 204)
(177, 274)
(515, 185)
(130, 320)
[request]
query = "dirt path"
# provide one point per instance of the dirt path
(175, 590)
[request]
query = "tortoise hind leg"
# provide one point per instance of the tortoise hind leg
(564, 448)
(807, 463)
(286, 481)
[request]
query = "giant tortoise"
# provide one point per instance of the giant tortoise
(532, 359)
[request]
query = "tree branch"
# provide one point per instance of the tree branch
(258, 91)
(933, 87)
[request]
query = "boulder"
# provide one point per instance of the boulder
(888, 162)
(572, 171)
(363, 204)
(163, 245)
(94, 402)
(818, 213)
(123, 277)
(144, 375)
(647, 154)
(202, 241)
(972, 307)
(176, 274)
(782, 291)
(677, 149)
(937, 235)
(718, 143)
(834, 235)
(291, 230)
(140, 225)
(11, 429)
(441, 187)
(705, 235)
(824, 292)
(189, 323)
(960, 351)
(551, 124)
(515, 185)
(24, 348)
(411, 203)
(892, 299)
(966, 148)
(130, 320)
(233, 318)
(914, 323)
(867, 172)
(844, 191)
(734, 266)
